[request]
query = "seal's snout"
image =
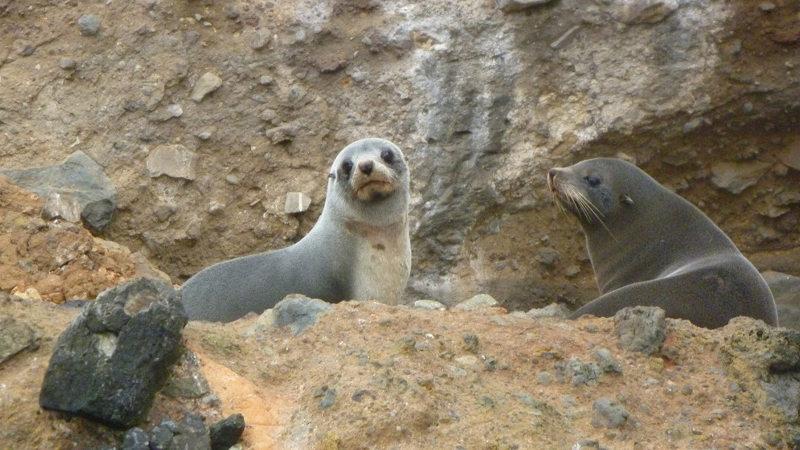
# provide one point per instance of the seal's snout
(551, 179)
(366, 166)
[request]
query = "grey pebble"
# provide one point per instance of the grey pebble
(67, 63)
(608, 413)
(89, 24)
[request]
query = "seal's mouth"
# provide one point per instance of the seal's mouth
(374, 187)
(569, 198)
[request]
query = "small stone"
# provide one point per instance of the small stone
(428, 304)
(509, 6)
(296, 202)
(608, 414)
(206, 84)
(89, 24)
(766, 6)
(204, 135)
(641, 328)
(174, 110)
(265, 80)
(215, 207)
(136, 439)
(15, 336)
(282, 134)
(23, 47)
(577, 372)
(738, 176)
(687, 390)
(186, 379)
(467, 360)
(547, 257)
(556, 310)
(586, 444)
(606, 362)
(161, 435)
(299, 312)
(232, 179)
(174, 161)
(544, 378)
(191, 433)
(67, 63)
(231, 12)
(258, 39)
(328, 397)
(572, 270)
(227, 432)
(747, 107)
(477, 302)
(471, 343)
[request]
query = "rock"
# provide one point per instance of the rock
(466, 360)
(738, 176)
(791, 156)
(327, 397)
(282, 134)
(208, 83)
(15, 336)
(641, 328)
(645, 11)
(265, 80)
(766, 6)
(577, 373)
(174, 161)
(89, 24)
(174, 110)
(161, 435)
(131, 332)
(136, 439)
(296, 202)
(190, 433)
(67, 63)
(77, 190)
(471, 343)
(477, 302)
(23, 47)
(428, 304)
(509, 6)
(556, 310)
(547, 257)
(227, 432)
(544, 378)
(258, 39)
(608, 414)
(298, 312)
(186, 379)
(606, 362)
(786, 290)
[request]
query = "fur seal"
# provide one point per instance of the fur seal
(649, 246)
(358, 249)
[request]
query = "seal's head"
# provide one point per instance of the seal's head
(369, 182)
(598, 191)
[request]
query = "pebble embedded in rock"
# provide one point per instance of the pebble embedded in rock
(174, 161)
(174, 110)
(136, 439)
(548, 257)
(227, 432)
(191, 433)
(577, 373)
(15, 336)
(67, 63)
(428, 304)
(296, 202)
(258, 39)
(608, 414)
(89, 24)
(471, 343)
(556, 310)
(766, 6)
(130, 332)
(328, 397)
(206, 84)
(477, 302)
(265, 80)
(298, 312)
(641, 328)
(606, 361)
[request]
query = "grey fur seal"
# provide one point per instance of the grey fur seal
(649, 246)
(358, 249)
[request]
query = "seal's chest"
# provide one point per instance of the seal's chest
(382, 265)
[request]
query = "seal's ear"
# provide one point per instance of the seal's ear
(624, 198)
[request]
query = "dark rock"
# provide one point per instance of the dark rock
(186, 379)
(89, 24)
(112, 359)
(227, 432)
(641, 328)
(161, 435)
(299, 312)
(509, 6)
(608, 414)
(15, 336)
(76, 190)
(136, 439)
(786, 290)
(191, 433)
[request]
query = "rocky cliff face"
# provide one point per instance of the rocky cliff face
(205, 114)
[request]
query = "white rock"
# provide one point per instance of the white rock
(174, 161)
(477, 302)
(428, 304)
(207, 83)
(296, 202)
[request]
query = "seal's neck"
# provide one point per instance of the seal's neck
(660, 232)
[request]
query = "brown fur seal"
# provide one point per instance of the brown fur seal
(358, 249)
(649, 246)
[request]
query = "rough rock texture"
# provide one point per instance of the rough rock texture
(15, 336)
(298, 312)
(76, 190)
(641, 328)
(482, 101)
(110, 362)
(57, 260)
(384, 377)
(227, 432)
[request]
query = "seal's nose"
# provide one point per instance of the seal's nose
(366, 167)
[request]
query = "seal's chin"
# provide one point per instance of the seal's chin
(372, 190)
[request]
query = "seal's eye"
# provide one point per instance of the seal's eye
(593, 181)
(347, 167)
(387, 155)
